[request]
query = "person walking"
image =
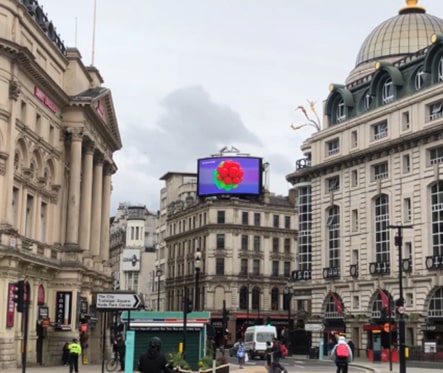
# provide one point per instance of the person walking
(241, 352)
(120, 349)
(153, 360)
(75, 351)
(65, 354)
(342, 355)
(276, 356)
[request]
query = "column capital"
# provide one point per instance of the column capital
(75, 134)
(99, 158)
(89, 146)
(109, 168)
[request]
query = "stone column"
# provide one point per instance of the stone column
(97, 189)
(106, 202)
(74, 186)
(85, 207)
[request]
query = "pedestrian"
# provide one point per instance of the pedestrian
(75, 351)
(268, 357)
(276, 356)
(241, 352)
(120, 349)
(342, 355)
(65, 354)
(153, 360)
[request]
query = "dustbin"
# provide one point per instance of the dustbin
(314, 352)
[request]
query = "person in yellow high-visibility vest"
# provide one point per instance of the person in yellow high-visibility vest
(75, 351)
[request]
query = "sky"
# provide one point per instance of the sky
(189, 77)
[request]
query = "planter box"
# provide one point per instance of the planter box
(220, 369)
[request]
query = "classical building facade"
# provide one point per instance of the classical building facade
(231, 253)
(375, 165)
(58, 133)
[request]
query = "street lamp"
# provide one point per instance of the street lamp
(197, 264)
(158, 273)
(288, 291)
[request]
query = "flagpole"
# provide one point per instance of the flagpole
(93, 32)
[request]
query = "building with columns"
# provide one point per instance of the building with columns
(376, 166)
(58, 134)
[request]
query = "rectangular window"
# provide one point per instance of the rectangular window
(43, 221)
(257, 244)
(406, 163)
(15, 205)
(287, 245)
(256, 267)
(341, 111)
(244, 242)
(257, 219)
(220, 217)
(354, 178)
(380, 171)
(287, 269)
(275, 268)
(354, 139)
(244, 267)
(29, 223)
(219, 266)
(435, 110)
(276, 221)
(379, 130)
(333, 184)
(436, 155)
(287, 222)
(405, 124)
(388, 92)
(354, 220)
(23, 112)
(275, 244)
(220, 241)
(355, 302)
(38, 124)
(407, 209)
(332, 147)
(245, 218)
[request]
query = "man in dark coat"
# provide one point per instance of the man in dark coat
(153, 361)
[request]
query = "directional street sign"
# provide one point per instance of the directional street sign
(117, 301)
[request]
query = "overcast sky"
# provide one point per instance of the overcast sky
(189, 77)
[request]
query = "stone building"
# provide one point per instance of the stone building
(376, 164)
(58, 134)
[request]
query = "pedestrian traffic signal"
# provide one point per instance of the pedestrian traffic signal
(188, 305)
(19, 295)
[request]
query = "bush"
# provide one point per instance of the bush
(176, 359)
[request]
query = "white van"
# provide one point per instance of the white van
(256, 338)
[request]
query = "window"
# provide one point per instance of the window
(287, 222)
(380, 171)
(381, 207)
(256, 244)
(407, 210)
(332, 147)
(333, 184)
(244, 242)
(354, 139)
(419, 79)
(244, 267)
(244, 298)
(274, 299)
(405, 124)
(287, 245)
(435, 305)
(435, 111)
(29, 223)
(23, 112)
(436, 155)
(354, 221)
(341, 111)
(440, 69)
(275, 244)
(220, 217)
(219, 266)
(276, 221)
(220, 241)
(367, 101)
(256, 267)
(245, 218)
(437, 219)
(379, 130)
(304, 228)
(406, 163)
(354, 178)
(38, 124)
(257, 219)
(334, 236)
(255, 295)
(275, 268)
(287, 269)
(387, 92)
(355, 302)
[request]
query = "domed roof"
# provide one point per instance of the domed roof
(405, 33)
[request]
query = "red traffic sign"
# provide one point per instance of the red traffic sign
(401, 310)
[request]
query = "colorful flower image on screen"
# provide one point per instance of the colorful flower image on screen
(228, 175)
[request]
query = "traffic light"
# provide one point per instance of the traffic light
(19, 295)
(188, 305)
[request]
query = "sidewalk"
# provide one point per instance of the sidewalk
(378, 367)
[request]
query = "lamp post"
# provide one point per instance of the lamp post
(400, 302)
(197, 264)
(158, 273)
(288, 291)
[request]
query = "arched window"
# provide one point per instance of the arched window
(440, 69)
(437, 218)
(436, 305)
(333, 227)
(388, 91)
(381, 228)
(419, 79)
(244, 298)
(256, 298)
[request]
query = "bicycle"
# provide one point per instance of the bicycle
(112, 363)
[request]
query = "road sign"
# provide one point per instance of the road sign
(314, 327)
(401, 310)
(117, 301)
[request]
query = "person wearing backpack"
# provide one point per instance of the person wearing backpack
(276, 356)
(241, 352)
(342, 355)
